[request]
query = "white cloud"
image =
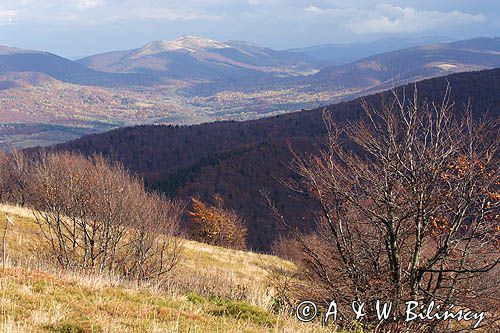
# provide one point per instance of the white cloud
(169, 14)
(392, 19)
(386, 18)
(88, 4)
(358, 16)
(314, 10)
(7, 16)
(103, 11)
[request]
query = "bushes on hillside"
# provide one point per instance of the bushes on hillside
(93, 215)
(217, 225)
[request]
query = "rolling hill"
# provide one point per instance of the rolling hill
(368, 75)
(14, 60)
(239, 159)
(211, 66)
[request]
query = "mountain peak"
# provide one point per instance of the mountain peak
(186, 42)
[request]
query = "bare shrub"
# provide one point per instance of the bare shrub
(95, 216)
(409, 203)
(4, 176)
(15, 171)
(19, 173)
(153, 251)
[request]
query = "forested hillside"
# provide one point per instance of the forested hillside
(239, 160)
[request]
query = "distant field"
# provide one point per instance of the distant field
(55, 112)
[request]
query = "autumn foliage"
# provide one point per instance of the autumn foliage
(217, 225)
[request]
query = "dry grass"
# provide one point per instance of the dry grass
(213, 290)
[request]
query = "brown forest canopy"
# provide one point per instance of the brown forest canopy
(239, 159)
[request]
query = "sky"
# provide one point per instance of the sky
(76, 28)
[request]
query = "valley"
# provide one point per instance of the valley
(193, 80)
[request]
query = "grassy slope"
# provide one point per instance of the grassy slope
(39, 299)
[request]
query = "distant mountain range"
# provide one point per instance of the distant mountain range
(218, 66)
(201, 62)
(410, 64)
(193, 79)
(340, 54)
(239, 159)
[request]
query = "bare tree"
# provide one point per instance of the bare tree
(409, 208)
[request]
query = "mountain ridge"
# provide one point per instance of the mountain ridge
(164, 56)
(411, 64)
(344, 53)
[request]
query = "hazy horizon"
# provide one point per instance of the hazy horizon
(79, 28)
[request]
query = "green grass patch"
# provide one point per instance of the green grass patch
(242, 311)
(195, 298)
(66, 328)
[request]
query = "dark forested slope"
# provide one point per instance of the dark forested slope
(239, 159)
